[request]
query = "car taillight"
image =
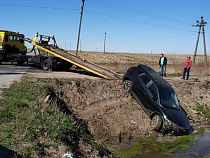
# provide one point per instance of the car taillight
(130, 69)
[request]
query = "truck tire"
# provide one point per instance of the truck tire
(0, 59)
(46, 64)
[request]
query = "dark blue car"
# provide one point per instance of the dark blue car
(158, 99)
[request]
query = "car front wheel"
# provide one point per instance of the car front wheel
(156, 122)
(128, 85)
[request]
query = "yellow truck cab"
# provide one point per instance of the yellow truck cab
(11, 45)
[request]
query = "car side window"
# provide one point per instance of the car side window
(145, 78)
(153, 90)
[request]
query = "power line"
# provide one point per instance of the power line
(138, 21)
(101, 15)
(159, 38)
(140, 12)
(28, 6)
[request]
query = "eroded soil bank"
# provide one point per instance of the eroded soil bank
(114, 117)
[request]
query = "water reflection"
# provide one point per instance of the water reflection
(190, 146)
(200, 148)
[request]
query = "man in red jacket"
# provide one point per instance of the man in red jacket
(187, 65)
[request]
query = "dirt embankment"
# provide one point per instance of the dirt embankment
(113, 116)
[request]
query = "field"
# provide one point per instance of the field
(119, 62)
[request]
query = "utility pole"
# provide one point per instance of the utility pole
(80, 45)
(105, 42)
(83, 3)
(200, 24)
(70, 46)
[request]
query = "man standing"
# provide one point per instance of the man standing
(187, 66)
(162, 63)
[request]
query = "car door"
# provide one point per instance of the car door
(153, 95)
(145, 95)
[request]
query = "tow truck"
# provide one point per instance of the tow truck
(53, 56)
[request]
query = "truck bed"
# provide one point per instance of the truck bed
(91, 67)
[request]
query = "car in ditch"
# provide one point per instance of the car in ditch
(158, 99)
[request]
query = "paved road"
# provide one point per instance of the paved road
(10, 73)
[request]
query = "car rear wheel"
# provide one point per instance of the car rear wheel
(156, 122)
(128, 85)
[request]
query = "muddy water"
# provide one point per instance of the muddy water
(199, 148)
(191, 146)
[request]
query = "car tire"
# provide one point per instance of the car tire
(156, 122)
(46, 64)
(128, 85)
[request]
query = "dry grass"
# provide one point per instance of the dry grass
(119, 62)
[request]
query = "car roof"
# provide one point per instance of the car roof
(161, 83)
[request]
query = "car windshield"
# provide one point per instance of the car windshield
(169, 99)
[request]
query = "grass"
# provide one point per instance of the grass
(30, 127)
(204, 109)
(182, 143)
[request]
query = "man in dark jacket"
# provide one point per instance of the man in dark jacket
(163, 63)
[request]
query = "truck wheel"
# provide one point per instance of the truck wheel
(128, 85)
(1, 58)
(156, 122)
(46, 64)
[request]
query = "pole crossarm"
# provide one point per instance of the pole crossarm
(200, 24)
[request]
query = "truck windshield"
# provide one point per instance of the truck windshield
(169, 99)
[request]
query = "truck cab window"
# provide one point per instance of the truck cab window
(16, 38)
(11, 38)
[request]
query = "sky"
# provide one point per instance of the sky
(135, 26)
